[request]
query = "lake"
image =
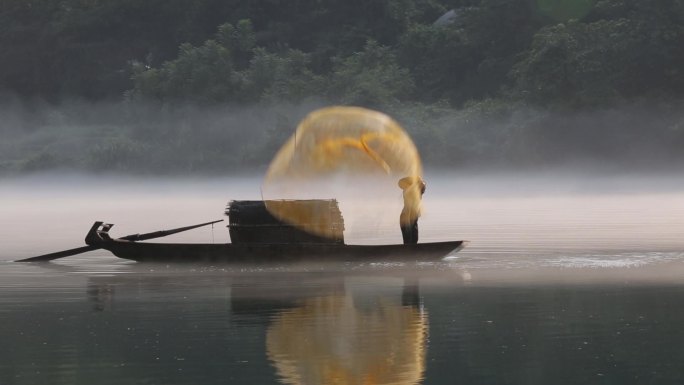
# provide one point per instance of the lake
(566, 279)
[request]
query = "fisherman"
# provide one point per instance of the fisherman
(414, 188)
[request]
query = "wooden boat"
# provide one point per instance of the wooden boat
(259, 238)
(265, 253)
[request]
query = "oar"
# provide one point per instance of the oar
(132, 237)
(164, 233)
(59, 254)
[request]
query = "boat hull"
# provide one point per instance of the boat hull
(278, 253)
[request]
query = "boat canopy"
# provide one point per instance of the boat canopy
(251, 222)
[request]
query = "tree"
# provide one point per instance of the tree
(203, 74)
(370, 78)
(470, 55)
(281, 77)
(624, 50)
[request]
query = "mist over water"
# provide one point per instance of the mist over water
(519, 220)
(143, 138)
(565, 272)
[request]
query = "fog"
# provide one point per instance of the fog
(525, 188)
(524, 220)
(149, 139)
(127, 138)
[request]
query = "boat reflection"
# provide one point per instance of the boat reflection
(315, 329)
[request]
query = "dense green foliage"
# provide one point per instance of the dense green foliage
(474, 80)
(622, 50)
(577, 52)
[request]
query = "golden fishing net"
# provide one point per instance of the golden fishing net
(352, 144)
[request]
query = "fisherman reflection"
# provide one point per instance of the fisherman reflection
(414, 188)
(101, 295)
(339, 339)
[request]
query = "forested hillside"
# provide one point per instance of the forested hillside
(129, 85)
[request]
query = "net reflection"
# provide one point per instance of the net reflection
(341, 338)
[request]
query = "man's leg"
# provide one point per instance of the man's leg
(410, 233)
(406, 233)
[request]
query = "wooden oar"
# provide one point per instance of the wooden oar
(164, 233)
(132, 237)
(59, 254)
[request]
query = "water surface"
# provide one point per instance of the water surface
(565, 280)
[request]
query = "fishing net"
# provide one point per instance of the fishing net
(335, 149)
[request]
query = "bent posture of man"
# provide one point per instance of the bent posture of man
(414, 188)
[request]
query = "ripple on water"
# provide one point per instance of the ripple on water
(620, 260)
